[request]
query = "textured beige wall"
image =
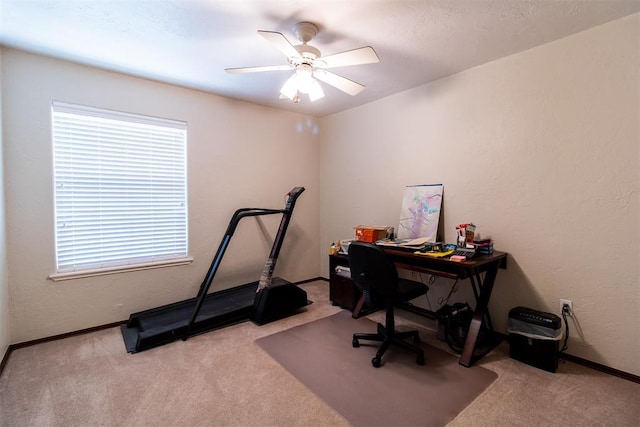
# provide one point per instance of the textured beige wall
(5, 333)
(239, 155)
(539, 150)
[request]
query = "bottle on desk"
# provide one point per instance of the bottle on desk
(333, 249)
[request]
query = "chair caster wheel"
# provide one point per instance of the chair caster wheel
(355, 343)
(376, 362)
(420, 359)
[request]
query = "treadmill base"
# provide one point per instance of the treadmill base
(162, 325)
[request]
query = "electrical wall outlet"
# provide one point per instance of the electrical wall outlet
(415, 275)
(568, 302)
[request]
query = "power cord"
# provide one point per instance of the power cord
(443, 301)
(565, 312)
(430, 281)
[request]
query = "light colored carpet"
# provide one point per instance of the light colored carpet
(400, 392)
(223, 378)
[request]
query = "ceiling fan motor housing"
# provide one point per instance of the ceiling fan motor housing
(305, 31)
(308, 53)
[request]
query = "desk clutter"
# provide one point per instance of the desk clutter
(468, 244)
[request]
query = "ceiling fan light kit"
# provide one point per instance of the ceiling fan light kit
(302, 82)
(309, 65)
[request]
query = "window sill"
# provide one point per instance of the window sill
(121, 269)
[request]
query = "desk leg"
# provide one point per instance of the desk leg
(358, 308)
(486, 287)
(476, 286)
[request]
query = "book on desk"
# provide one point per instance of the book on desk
(417, 243)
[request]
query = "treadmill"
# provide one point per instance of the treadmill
(263, 301)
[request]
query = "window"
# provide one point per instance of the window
(120, 190)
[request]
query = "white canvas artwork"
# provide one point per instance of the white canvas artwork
(420, 212)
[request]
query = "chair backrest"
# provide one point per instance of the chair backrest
(372, 271)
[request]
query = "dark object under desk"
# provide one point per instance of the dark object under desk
(481, 270)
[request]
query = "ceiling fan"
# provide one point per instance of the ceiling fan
(310, 65)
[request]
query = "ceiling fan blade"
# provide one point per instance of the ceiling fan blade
(280, 42)
(363, 55)
(257, 69)
(339, 82)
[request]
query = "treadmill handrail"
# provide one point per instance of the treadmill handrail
(233, 224)
(245, 212)
(270, 265)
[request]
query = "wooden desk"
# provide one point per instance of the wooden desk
(481, 270)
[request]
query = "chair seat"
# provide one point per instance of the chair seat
(408, 290)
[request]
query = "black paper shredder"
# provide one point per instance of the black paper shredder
(534, 337)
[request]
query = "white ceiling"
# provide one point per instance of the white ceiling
(190, 42)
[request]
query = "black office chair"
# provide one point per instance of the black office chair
(376, 276)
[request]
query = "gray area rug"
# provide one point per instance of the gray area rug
(400, 393)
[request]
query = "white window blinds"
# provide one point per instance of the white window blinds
(120, 188)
